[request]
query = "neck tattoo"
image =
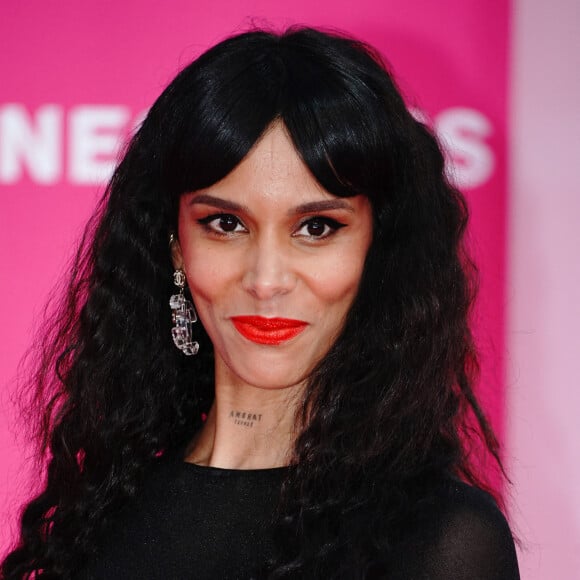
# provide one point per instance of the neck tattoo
(245, 418)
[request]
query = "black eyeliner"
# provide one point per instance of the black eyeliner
(210, 218)
(335, 225)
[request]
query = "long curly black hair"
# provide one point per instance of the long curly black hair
(389, 407)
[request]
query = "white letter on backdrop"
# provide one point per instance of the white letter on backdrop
(470, 160)
(95, 134)
(34, 144)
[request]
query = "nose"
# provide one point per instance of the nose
(268, 272)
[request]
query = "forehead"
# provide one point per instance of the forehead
(275, 151)
(273, 170)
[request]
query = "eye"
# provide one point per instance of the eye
(318, 227)
(223, 223)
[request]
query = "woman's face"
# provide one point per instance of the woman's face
(273, 262)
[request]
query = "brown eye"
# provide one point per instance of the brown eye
(223, 224)
(228, 223)
(316, 228)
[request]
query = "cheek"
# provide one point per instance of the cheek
(205, 268)
(209, 290)
(336, 281)
(208, 271)
(339, 276)
(205, 282)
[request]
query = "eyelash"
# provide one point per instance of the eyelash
(331, 226)
(206, 222)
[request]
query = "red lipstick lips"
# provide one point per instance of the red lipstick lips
(272, 331)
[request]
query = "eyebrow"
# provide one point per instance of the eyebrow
(309, 207)
(224, 204)
(323, 205)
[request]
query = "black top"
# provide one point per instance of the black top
(203, 523)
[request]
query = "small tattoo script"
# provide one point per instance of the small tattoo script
(244, 418)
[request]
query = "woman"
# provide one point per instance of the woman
(313, 423)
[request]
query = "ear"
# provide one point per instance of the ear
(176, 255)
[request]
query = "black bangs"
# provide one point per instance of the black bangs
(215, 110)
(332, 95)
(336, 110)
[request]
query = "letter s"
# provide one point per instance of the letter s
(470, 160)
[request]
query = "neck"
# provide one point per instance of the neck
(247, 428)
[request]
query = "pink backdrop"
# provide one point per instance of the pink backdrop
(543, 364)
(76, 76)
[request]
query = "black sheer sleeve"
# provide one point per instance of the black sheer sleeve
(463, 536)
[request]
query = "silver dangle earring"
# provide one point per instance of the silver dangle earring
(183, 317)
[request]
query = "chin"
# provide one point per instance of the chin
(275, 381)
(266, 367)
